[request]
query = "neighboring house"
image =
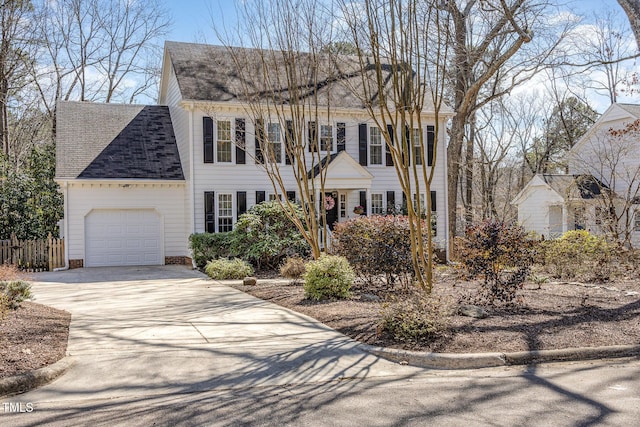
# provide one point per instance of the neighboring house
(603, 182)
(138, 180)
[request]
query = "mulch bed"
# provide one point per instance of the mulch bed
(31, 337)
(552, 315)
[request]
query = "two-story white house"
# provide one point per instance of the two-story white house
(603, 182)
(138, 180)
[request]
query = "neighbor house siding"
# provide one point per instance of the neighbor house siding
(83, 197)
(533, 211)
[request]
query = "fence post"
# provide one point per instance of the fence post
(50, 251)
(14, 249)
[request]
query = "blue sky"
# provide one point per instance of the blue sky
(193, 18)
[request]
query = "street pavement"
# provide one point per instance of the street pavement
(167, 346)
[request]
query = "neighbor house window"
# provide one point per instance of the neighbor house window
(417, 148)
(326, 138)
(579, 220)
(275, 142)
(375, 146)
(377, 204)
(223, 145)
(636, 221)
(225, 212)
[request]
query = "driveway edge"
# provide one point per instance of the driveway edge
(487, 360)
(26, 381)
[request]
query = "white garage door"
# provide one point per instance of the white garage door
(116, 237)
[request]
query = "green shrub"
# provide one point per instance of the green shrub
(208, 246)
(578, 251)
(293, 268)
(377, 246)
(417, 318)
(499, 253)
(328, 277)
(15, 292)
(265, 236)
(222, 269)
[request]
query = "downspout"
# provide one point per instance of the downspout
(192, 187)
(446, 198)
(65, 224)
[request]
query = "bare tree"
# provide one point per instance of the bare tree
(15, 40)
(492, 53)
(402, 89)
(287, 81)
(95, 49)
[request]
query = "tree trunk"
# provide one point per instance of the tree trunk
(632, 9)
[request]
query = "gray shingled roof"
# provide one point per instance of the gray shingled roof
(103, 141)
(587, 185)
(631, 108)
(210, 73)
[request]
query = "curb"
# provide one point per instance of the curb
(488, 360)
(26, 381)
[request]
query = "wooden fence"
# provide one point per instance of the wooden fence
(33, 255)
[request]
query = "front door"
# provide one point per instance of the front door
(331, 207)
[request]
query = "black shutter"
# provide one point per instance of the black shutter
(391, 201)
(241, 202)
(240, 142)
(259, 140)
(405, 206)
(207, 139)
(434, 206)
(431, 140)
(363, 201)
(291, 196)
(341, 136)
(209, 212)
(362, 144)
(260, 196)
(289, 143)
(389, 158)
(407, 140)
(313, 137)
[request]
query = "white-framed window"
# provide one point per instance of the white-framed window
(377, 204)
(343, 205)
(636, 220)
(225, 212)
(415, 143)
(223, 142)
(326, 138)
(375, 146)
(274, 133)
(419, 201)
(273, 197)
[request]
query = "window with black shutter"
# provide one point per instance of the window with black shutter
(391, 202)
(241, 202)
(389, 157)
(209, 212)
(260, 196)
(341, 136)
(362, 144)
(291, 196)
(207, 139)
(313, 136)
(431, 140)
(434, 206)
(259, 140)
(240, 142)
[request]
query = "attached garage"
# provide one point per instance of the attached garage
(116, 237)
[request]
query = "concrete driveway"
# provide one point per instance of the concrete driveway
(147, 330)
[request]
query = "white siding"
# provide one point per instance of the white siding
(230, 177)
(533, 210)
(85, 197)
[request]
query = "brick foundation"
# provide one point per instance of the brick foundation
(76, 263)
(177, 260)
